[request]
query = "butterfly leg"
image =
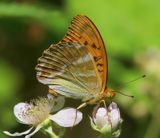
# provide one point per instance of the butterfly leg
(95, 109)
(104, 103)
(79, 107)
(54, 93)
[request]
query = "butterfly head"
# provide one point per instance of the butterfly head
(110, 93)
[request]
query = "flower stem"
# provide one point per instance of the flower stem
(47, 128)
(51, 133)
(105, 136)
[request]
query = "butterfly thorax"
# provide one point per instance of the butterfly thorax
(107, 93)
(110, 93)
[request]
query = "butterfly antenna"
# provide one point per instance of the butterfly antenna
(131, 96)
(143, 76)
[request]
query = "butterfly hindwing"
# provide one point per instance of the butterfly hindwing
(69, 69)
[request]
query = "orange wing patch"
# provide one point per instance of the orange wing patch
(83, 31)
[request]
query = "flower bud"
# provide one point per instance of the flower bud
(107, 121)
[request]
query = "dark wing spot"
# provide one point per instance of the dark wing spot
(94, 46)
(99, 65)
(100, 70)
(85, 43)
(97, 58)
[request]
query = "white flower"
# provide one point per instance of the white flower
(37, 114)
(107, 120)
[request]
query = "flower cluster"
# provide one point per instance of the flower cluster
(38, 114)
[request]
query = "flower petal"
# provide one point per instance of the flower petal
(101, 118)
(17, 133)
(36, 130)
(115, 114)
(93, 125)
(19, 112)
(67, 117)
(112, 106)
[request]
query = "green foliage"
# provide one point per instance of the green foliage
(130, 30)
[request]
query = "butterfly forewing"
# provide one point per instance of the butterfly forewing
(69, 69)
(83, 30)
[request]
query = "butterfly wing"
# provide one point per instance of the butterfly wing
(69, 69)
(76, 67)
(83, 30)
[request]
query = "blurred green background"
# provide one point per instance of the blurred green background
(131, 31)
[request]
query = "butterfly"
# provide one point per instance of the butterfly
(77, 66)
